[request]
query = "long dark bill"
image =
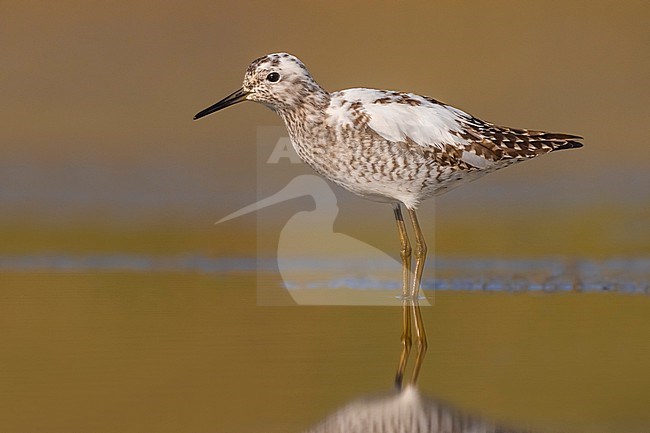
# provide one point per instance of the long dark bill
(232, 99)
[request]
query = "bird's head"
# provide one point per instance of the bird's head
(280, 81)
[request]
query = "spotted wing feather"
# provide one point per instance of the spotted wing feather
(498, 143)
(450, 135)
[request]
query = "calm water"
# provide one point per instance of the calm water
(192, 344)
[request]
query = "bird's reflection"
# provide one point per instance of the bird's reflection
(411, 313)
(406, 410)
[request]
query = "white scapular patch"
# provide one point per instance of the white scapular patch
(424, 122)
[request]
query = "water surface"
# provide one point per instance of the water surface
(172, 345)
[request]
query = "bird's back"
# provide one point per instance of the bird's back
(395, 146)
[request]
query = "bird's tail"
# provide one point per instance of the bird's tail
(562, 141)
(540, 142)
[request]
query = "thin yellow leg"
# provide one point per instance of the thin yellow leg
(420, 258)
(405, 254)
(420, 253)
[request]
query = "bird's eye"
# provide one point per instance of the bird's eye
(273, 77)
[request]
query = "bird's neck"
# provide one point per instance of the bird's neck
(307, 113)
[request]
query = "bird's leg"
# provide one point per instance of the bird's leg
(405, 254)
(420, 253)
(420, 258)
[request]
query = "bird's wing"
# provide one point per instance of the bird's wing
(436, 127)
(399, 117)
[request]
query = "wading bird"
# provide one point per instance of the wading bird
(394, 147)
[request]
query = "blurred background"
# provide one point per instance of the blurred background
(100, 158)
(100, 152)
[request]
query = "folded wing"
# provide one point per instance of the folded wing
(433, 127)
